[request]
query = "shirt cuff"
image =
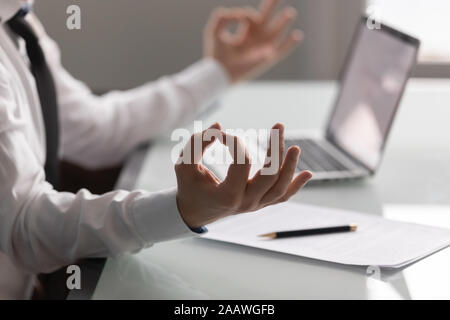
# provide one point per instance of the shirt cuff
(206, 80)
(157, 218)
(200, 230)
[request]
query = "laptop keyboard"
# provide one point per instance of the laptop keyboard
(314, 157)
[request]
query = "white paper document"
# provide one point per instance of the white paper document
(377, 242)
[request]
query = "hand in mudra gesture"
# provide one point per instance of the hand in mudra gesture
(202, 198)
(262, 38)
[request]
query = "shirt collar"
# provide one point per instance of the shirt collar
(8, 8)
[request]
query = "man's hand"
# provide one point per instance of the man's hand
(261, 40)
(202, 198)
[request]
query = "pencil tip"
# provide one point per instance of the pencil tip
(268, 235)
(353, 227)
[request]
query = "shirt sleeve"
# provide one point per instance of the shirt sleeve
(42, 229)
(99, 131)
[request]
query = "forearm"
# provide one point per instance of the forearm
(101, 131)
(54, 229)
(42, 229)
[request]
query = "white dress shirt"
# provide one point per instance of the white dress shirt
(42, 229)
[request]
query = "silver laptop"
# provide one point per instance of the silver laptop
(372, 82)
(371, 86)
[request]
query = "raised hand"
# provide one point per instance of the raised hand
(202, 198)
(262, 38)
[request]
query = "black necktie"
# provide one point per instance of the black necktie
(47, 93)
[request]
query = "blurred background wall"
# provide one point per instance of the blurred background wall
(123, 43)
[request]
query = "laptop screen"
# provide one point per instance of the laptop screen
(372, 84)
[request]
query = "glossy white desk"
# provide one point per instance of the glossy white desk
(412, 185)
